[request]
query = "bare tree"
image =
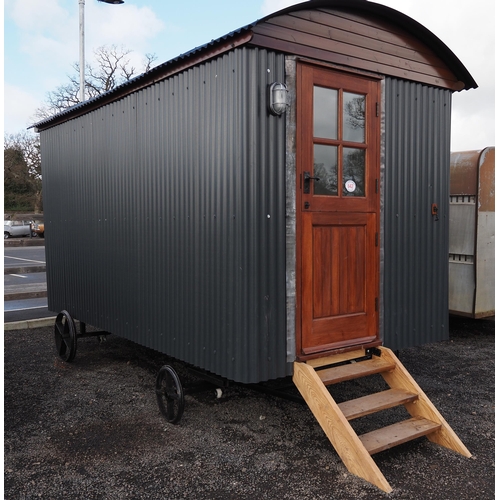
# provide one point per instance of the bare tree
(112, 68)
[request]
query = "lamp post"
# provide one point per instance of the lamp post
(81, 4)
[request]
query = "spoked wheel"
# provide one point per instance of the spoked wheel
(169, 394)
(65, 336)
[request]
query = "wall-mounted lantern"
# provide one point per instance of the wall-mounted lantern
(277, 98)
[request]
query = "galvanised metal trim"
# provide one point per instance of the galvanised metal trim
(291, 205)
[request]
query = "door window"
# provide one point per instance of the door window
(353, 117)
(326, 102)
(339, 119)
(326, 170)
(353, 172)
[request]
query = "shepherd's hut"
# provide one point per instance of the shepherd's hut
(272, 203)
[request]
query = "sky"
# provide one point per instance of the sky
(41, 39)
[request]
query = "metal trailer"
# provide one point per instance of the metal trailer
(472, 233)
(271, 203)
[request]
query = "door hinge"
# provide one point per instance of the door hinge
(376, 304)
(376, 239)
(376, 186)
(377, 108)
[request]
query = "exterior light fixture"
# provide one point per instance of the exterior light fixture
(277, 98)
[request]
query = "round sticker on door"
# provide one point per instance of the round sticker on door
(350, 186)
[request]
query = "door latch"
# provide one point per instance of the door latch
(434, 211)
(307, 182)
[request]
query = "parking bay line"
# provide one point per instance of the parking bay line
(27, 260)
(25, 309)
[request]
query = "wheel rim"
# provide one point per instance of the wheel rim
(169, 394)
(65, 336)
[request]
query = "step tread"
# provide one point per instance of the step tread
(393, 435)
(366, 405)
(350, 371)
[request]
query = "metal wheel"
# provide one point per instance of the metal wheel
(65, 336)
(169, 394)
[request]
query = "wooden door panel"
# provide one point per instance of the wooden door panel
(347, 334)
(341, 281)
(339, 258)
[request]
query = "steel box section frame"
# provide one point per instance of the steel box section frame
(165, 217)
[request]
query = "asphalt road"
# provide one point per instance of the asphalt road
(19, 280)
(26, 309)
(24, 257)
(23, 286)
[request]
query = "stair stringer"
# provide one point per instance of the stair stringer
(400, 378)
(338, 430)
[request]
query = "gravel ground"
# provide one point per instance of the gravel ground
(91, 429)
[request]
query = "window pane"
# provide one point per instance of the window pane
(354, 117)
(325, 113)
(326, 168)
(353, 172)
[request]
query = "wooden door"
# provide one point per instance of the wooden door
(338, 210)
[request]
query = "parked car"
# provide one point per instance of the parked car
(16, 228)
(39, 228)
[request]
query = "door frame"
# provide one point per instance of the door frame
(376, 145)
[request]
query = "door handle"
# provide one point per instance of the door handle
(307, 182)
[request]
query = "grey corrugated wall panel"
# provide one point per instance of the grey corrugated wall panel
(165, 217)
(417, 159)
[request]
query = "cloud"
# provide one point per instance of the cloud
(35, 15)
(19, 107)
(270, 6)
(46, 29)
(50, 29)
(127, 25)
(473, 120)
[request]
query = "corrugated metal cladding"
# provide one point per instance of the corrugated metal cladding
(165, 217)
(417, 157)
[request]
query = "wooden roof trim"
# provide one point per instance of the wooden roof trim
(362, 32)
(358, 51)
(261, 40)
(398, 21)
(378, 26)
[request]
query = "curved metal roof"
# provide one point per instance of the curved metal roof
(244, 35)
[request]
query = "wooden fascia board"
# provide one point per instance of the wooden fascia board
(315, 53)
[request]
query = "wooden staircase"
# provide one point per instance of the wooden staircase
(312, 377)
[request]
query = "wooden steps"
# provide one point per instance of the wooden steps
(402, 432)
(312, 379)
(376, 402)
